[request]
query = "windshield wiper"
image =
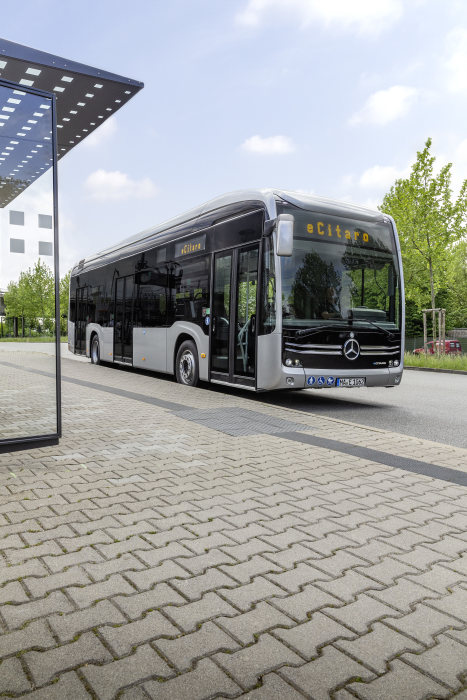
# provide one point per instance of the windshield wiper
(390, 334)
(314, 329)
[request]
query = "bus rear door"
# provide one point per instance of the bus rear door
(123, 319)
(233, 312)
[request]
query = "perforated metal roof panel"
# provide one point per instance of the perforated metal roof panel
(85, 98)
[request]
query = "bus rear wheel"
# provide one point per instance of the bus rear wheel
(186, 364)
(95, 351)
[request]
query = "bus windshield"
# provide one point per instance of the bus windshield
(342, 271)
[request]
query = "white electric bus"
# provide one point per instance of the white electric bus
(262, 289)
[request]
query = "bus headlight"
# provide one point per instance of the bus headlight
(288, 362)
(396, 363)
(297, 363)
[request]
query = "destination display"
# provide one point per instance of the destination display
(194, 245)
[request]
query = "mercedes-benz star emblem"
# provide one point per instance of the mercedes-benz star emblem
(351, 349)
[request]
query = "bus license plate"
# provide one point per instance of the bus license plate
(351, 381)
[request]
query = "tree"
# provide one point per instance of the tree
(40, 288)
(32, 297)
(456, 292)
(429, 223)
(64, 300)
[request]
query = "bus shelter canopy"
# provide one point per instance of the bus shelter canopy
(85, 98)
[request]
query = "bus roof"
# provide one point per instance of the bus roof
(267, 198)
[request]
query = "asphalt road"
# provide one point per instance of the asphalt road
(429, 405)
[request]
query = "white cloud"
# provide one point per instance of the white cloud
(456, 64)
(384, 106)
(103, 133)
(381, 177)
(269, 145)
(114, 185)
(363, 16)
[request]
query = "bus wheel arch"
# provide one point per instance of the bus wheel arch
(95, 348)
(186, 362)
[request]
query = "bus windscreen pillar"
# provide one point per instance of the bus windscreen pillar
(47, 106)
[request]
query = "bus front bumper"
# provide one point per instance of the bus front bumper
(310, 378)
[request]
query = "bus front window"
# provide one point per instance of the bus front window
(341, 271)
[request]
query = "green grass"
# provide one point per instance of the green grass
(441, 362)
(34, 339)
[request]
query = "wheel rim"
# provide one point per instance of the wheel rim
(186, 366)
(95, 350)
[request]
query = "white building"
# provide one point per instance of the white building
(24, 238)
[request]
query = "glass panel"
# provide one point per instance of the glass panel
(221, 313)
(247, 282)
(268, 294)
(128, 319)
(28, 401)
(341, 270)
(191, 291)
(82, 315)
(119, 317)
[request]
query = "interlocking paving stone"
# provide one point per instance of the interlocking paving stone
(13, 592)
(16, 615)
(12, 678)
(124, 637)
(138, 603)
(455, 604)
(378, 647)
(44, 665)
(205, 681)
(107, 680)
(246, 626)
(204, 642)
(424, 623)
(67, 686)
(325, 673)
(273, 688)
(190, 615)
(308, 637)
(244, 597)
(402, 682)
(178, 548)
(247, 665)
(447, 662)
(300, 605)
(360, 614)
(297, 577)
(66, 627)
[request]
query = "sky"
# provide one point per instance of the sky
(330, 97)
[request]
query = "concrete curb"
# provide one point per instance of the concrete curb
(435, 369)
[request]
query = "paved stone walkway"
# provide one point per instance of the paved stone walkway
(191, 543)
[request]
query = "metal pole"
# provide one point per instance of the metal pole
(425, 339)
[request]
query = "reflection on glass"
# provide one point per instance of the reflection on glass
(28, 403)
(221, 313)
(247, 281)
(340, 270)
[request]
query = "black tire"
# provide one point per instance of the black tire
(95, 350)
(186, 364)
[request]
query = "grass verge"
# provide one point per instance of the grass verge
(34, 339)
(435, 362)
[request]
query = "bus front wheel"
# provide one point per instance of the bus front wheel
(186, 364)
(95, 351)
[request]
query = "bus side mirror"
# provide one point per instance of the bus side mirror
(284, 235)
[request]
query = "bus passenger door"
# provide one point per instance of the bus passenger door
(233, 326)
(123, 320)
(81, 319)
(220, 314)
